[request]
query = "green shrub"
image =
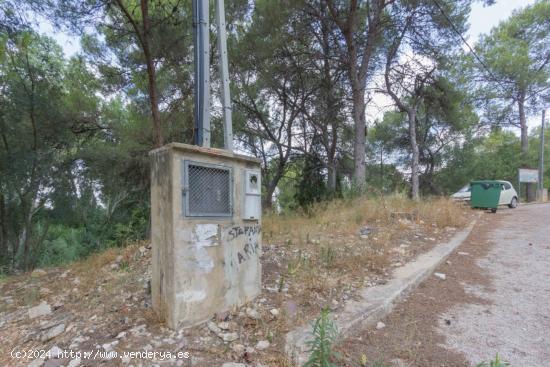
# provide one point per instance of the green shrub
(494, 363)
(133, 230)
(62, 245)
(324, 335)
(328, 255)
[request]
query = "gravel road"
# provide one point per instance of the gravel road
(495, 299)
(515, 322)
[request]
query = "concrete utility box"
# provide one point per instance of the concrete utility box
(542, 195)
(205, 232)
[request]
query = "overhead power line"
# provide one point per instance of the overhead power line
(478, 58)
(455, 29)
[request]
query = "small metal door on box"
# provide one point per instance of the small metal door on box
(252, 195)
(207, 189)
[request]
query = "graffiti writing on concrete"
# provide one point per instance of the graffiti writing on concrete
(237, 231)
(251, 246)
(250, 249)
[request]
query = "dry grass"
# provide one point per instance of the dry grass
(346, 216)
(310, 261)
(325, 257)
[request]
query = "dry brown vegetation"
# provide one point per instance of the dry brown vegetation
(321, 258)
(310, 260)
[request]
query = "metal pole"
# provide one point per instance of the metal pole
(519, 185)
(224, 76)
(202, 72)
(541, 168)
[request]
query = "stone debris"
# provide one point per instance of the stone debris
(224, 325)
(36, 363)
(229, 337)
(240, 334)
(121, 335)
(380, 325)
(238, 348)
(397, 362)
(440, 276)
(108, 347)
(53, 332)
(41, 310)
(213, 327)
(55, 352)
(252, 313)
(38, 273)
(75, 362)
(222, 316)
(364, 232)
(262, 344)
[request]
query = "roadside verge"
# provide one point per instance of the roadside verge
(376, 302)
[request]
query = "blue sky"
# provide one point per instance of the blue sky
(482, 19)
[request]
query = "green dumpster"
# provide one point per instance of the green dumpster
(485, 194)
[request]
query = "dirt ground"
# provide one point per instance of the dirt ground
(103, 305)
(494, 300)
(410, 334)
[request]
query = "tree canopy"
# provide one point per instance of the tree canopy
(307, 79)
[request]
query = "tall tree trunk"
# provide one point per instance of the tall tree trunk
(271, 185)
(143, 37)
(531, 187)
(415, 192)
(358, 111)
(524, 129)
(4, 251)
(268, 198)
(358, 71)
(22, 250)
(26, 241)
(151, 76)
(330, 139)
(332, 174)
(360, 171)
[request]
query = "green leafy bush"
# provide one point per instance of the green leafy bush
(494, 363)
(62, 245)
(132, 230)
(324, 335)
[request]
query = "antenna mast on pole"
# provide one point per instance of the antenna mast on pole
(202, 74)
(202, 71)
(541, 169)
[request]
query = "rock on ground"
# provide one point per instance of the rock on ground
(262, 344)
(41, 310)
(53, 332)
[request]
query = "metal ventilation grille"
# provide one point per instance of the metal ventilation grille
(207, 190)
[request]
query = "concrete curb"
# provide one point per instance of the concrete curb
(533, 203)
(377, 302)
